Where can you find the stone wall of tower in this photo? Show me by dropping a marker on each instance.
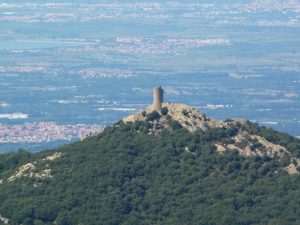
(158, 96)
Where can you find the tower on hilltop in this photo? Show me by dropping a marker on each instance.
(158, 96)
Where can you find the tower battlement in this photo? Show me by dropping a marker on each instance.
(158, 97)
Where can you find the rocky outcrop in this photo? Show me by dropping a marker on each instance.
(3, 219)
(31, 169)
(243, 142)
(292, 169)
(188, 117)
(54, 156)
(26, 170)
(252, 145)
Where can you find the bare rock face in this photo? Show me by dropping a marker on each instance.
(30, 169)
(252, 145)
(186, 116)
(292, 169)
(4, 220)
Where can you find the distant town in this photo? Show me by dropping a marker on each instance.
(80, 12)
(45, 132)
(69, 69)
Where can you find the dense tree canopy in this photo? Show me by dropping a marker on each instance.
(127, 176)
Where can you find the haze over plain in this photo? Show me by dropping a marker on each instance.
(68, 68)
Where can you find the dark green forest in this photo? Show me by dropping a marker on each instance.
(126, 176)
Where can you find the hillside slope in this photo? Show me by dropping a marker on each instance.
(177, 167)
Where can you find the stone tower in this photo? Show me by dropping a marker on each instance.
(158, 96)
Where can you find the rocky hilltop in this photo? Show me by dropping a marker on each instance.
(186, 116)
(243, 141)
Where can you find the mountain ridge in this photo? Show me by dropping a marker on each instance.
(245, 143)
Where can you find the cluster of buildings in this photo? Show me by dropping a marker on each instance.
(80, 12)
(46, 132)
(100, 72)
(21, 69)
(148, 45)
(271, 5)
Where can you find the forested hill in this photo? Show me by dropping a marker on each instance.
(174, 167)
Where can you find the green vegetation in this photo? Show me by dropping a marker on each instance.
(164, 111)
(126, 176)
(174, 124)
(153, 116)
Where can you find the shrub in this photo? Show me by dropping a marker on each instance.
(175, 125)
(164, 111)
(153, 116)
